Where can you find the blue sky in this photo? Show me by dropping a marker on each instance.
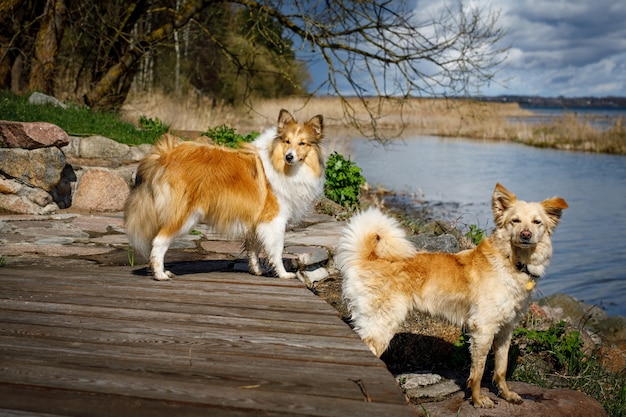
(568, 48)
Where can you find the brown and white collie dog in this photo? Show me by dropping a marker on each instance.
(486, 289)
(252, 192)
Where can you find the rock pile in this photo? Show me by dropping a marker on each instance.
(42, 169)
(31, 167)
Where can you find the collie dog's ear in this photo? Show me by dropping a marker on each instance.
(317, 124)
(554, 209)
(284, 118)
(501, 201)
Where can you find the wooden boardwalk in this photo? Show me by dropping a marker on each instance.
(103, 341)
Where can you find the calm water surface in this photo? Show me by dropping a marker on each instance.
(589, 259)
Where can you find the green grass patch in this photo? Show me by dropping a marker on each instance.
(553, 358)
(78, 120)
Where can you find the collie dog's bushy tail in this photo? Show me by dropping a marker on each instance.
(149, 198)
(371, 235)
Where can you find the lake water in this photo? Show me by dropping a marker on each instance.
(589, 260)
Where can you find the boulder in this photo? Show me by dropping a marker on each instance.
(37, 167)
(102, 147)
(436, 243)
(100, 190)
(31, 135)
(19, 198)
(566, 307)
(44, 99)
(538, 402)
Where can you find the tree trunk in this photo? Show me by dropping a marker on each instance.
(110, 91)
(7, 38)
(47, 47)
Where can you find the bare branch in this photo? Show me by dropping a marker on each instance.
(389, 49)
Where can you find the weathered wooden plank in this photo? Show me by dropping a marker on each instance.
(221, 341)
(275, 302)
(157, 302)
(228, 294)
(285, 376)
(60, 402)
(121, 315)
(76, 342)
(197, 390)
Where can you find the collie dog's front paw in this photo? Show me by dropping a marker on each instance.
(287, 275)
(163, 276)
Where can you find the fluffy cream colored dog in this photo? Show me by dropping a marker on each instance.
(486, 289)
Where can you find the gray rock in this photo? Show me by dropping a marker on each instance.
(101, 147)
(426, 386)
(308, 255)
(311, 276)
(16, 197)
(565, 307)
(137, 153)
(72, 150)
(38, 167)
(440, 243)
(42, 99)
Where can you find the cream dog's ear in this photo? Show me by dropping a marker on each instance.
(554, 209)
(501, 201)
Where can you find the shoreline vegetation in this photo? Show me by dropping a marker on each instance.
(473, 119)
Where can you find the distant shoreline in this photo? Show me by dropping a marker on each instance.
(564, 103)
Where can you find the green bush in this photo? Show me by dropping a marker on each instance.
(155, 125)
(343, 181)
(475, 234)
(228, 136)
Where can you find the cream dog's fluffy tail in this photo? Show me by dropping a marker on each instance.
(372, 235)
(369, 241)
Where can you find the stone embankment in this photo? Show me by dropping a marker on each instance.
(60, 203)
(42, 170)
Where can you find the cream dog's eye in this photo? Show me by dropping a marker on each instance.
(538, 222)
(516, 221)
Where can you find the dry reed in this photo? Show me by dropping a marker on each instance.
(415, 116)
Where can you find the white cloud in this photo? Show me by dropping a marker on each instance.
(569, 48)
(573, 48)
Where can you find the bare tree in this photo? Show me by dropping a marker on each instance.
(393, 50)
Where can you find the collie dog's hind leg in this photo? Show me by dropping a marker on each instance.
(252, 247)
(160, 245)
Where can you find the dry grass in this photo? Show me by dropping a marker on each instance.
(428, 116)
(577, 132)
(417, 116)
